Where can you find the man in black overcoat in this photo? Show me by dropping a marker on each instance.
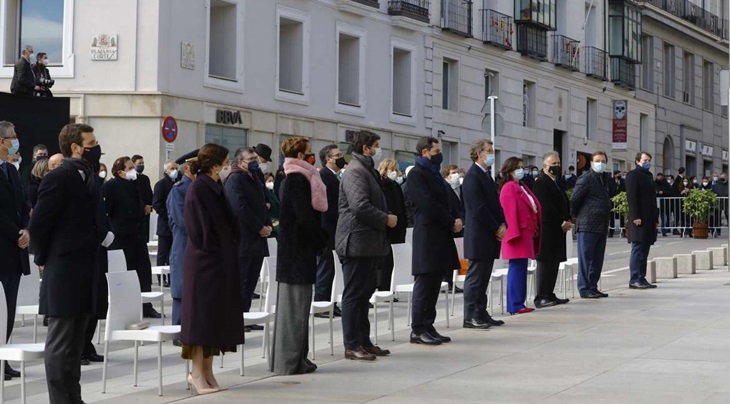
(23, 82)
(483, 232)
(159, 204)
(643, 218)
(66, 239)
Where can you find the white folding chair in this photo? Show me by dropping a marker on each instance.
(385, 296)
(124, 292)
(263, 279)
(161, 271)
(498, 275)
(266, 316)
(28, 298)
(153, 225)
(15, 352)
(457, 278)
(325, 307)
(116, 261)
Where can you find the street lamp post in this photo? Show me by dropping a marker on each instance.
(492, 128)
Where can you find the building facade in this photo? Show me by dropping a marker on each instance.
(242, 72)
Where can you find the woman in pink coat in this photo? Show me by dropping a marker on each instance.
(523, 215)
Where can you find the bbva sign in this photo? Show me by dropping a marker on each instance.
(228, 117)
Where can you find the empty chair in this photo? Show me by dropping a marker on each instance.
(325, 307)
(457, 277)
(117, 261)
(15, 352)
(265, 316)
(125, 311)
(28, 297)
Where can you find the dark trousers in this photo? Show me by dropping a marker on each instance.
(385, 271)
(89, 348)
(64, 343)
(176, 311)
(250, 270)
(475, 289)
(164, 245)
(359, 281)
(11, 283)
(637, 262)
(425, 296)
(138, 259)
(325, 276)
(546, 276)
(591, 251)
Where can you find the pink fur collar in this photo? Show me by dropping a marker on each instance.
(319, 190)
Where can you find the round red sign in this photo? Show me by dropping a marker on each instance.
(169, 129)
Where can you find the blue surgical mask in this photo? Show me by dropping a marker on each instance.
(490, 160)
(173, 175)
(15, 146)
(599, 167)
(519, 174)
(140, 169)
(253, 166)
(399, 180)
(646, 166)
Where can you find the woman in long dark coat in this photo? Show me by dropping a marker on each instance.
(301, 238)
(211, 314)
(390, 174)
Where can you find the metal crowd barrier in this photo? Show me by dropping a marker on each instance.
(673, 220)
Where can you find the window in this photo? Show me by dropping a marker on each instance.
(47, 25)
(669, 70)
(402, 79)
(350, 69)
(491, 84)
(230, 138)
(624, 27)
(708, 86)
(222, 41)
(292, 78)
(591, 117)
(647, 68)
(450, 85)
(688, 70)
(528, 104)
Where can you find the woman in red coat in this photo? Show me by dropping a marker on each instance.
(211, 308)
(523, 215)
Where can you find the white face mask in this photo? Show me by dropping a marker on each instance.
(378, 153)
(392, 175)
(399, 180)
(131, 175)
(454, 180)
(224, 172)
(461, 180)
(263, 167)
(270, 186)
(599, 166)
(102, 174)
(704, 184)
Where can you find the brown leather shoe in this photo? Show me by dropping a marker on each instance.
(377, 351)
(359, 354)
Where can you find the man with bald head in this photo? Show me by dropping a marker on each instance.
(55, 161)
(159, 203)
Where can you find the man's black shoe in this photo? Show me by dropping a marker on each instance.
(638, 285)
(85, 362)
(436, 334)
(542, 303)
(95, 357)
(338, 312)
(647, 284)
(458, 289)
(151, 313)
(590, 295)
(323, 315)
(477, 324)
(424, 339)
(10, 371)
(176, 342)
(558, 300)
(492, 321)
(600, 294)
(167, 283)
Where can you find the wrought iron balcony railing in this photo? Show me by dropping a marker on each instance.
(623, 73)
(497, 29)
(371, 3)
(595, 62)
(566, 52)
(415, 9)
(695, 15)
(456, 16)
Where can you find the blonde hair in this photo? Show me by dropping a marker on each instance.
(386, 166)
(40, 168)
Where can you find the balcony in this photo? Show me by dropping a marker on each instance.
(566, 52)
(623, 73)
(695, 15)
(595, 62)
(532, 41)
(456, 16)
(497, 29)
(371, 3)
(414, 9)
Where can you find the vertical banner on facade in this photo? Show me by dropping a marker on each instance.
(620, 125)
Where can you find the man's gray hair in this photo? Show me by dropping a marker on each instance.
(549, 154)
(5, 126)
(478, 147)
(168, 163)
(27, 48)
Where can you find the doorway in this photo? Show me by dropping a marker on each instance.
(558, 143)
(668, 156)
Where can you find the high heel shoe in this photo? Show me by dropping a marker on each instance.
(198, 389)
(522, 311)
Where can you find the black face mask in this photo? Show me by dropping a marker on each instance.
(340, 163)
(92, 155)
(555, 170)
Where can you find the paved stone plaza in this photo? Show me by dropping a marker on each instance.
(668, 345)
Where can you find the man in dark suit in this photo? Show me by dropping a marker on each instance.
(159, 203)
(555, 223)
(361, 242)
(591, 207)
(643, 218)
(483, 232)
(245, 193)
(23, 82)
(677, 187)
(145, 193)
(434, 250)
(66, 239)
(332, 162)
(14, 216)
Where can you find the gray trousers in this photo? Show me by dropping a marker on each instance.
(64, 344)
(291, 330)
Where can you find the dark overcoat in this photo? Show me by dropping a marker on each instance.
(329, 218)
(484, 215)
(641, 196)
(434, 250)
(590, 204)
(555, 211)
(247, 198)
(301, 236)
(159, 203)
(14, 216)
(396, 206)
(65, 233)
(211, 303)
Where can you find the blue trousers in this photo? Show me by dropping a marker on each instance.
(516, 285)
(176, 311)
(591, 251)
(637, 262)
